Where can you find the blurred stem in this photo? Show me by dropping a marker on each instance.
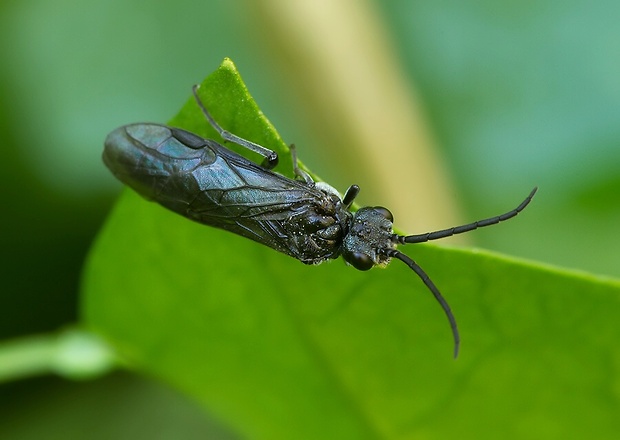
(339, 56)
(71, 353)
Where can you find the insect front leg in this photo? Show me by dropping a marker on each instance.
(349, 195)
(271, 157)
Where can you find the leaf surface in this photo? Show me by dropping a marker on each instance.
(278, 349)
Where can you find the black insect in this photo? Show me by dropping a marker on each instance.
(206, 182)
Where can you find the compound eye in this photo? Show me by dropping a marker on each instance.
(384, 212)
(360, 261)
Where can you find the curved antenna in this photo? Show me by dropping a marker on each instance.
(420, 238)
(431, 286)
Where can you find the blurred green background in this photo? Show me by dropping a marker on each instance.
(514, 94)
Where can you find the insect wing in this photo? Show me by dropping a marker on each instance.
(201, 180)
(152, 161)
(242, 197)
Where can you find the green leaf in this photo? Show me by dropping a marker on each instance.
(278, 349)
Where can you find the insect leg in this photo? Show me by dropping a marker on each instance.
(298, 171)
(271, 157)
(350, 195)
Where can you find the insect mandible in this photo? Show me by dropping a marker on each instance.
(208, 183)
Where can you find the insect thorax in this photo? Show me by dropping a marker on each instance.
(316, 230)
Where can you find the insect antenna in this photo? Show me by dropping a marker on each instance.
(431, 286)
(420, 238)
